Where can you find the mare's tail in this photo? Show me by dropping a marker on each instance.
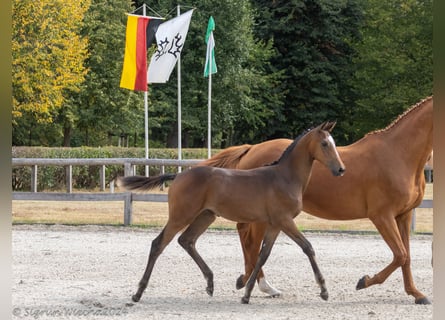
(227, 158)
(141, 183)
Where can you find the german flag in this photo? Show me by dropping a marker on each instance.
(134, 72)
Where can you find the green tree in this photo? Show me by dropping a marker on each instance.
(102, 108)
(48, 54)
(395, 62)
(241, 101)
(313, 42)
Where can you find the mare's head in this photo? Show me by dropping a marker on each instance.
(324, 150)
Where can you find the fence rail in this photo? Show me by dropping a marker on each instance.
(129, 165)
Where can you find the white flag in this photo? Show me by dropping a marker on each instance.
(170, 38)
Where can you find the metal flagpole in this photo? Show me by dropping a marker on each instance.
(179, 104)
(144, 13)
(209, 118)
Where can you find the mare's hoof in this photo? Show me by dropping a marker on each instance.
(324, 295)
(135, 298)
(362, 283)
(423, 300)
(240, 282)
(245, 300)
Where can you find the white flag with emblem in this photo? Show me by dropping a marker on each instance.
(170, 38)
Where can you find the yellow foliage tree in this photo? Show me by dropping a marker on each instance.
(47, 54)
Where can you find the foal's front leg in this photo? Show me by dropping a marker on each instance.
(268, 242)
(291, 230)
(251, 235)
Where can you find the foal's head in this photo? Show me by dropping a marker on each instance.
(323, 148)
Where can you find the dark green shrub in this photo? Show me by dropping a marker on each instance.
(86, 177)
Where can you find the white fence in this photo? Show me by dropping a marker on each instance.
(129, 165)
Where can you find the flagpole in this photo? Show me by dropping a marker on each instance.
(209, 118)
(208, 70)
(179, 104)
(144, 13)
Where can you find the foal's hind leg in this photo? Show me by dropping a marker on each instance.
(188, 239)
(157, 246)
(291, 230)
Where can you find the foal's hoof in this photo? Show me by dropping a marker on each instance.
(362, 283)
(324, 295)
(240, 282)
(423, 300)
(209, 291)
(245, 300)
(136, 298)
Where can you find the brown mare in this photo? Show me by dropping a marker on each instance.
(385, 181)
(270, 195)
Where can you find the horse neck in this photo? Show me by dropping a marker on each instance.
(297, 166)
(411, 137)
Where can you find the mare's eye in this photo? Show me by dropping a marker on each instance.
(324, 144)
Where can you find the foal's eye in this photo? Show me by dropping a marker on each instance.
(324, 144)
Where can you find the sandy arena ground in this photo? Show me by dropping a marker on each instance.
(90, 272)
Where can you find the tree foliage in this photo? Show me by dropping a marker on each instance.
(395, 61)
(283, 66)
(48, 53)
(102, 108)
(313, 44)
(241, 101)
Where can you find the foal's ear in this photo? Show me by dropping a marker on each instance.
(328, 125)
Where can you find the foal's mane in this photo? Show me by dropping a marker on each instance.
(401, 116)
(290, 147)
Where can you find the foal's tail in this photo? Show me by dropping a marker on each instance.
(141, 183)
(227, 158)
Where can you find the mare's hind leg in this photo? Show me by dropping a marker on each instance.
(188, 239)
(291, 230)
(157, 246)
(268, 242)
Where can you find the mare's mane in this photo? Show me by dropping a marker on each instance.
(401, 116)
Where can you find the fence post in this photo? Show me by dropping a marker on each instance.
(128, 169)
(413, 221)
(102, 177)
(163, 172)
(34, 178)
(69, 178)
(128, 209)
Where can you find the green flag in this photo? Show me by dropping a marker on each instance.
(210, 65)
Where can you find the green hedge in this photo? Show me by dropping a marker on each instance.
(52, 178)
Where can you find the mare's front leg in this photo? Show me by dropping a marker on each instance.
(404, 225)
(392, 232)
(188, 239)
(268, 242)
(291, 230)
